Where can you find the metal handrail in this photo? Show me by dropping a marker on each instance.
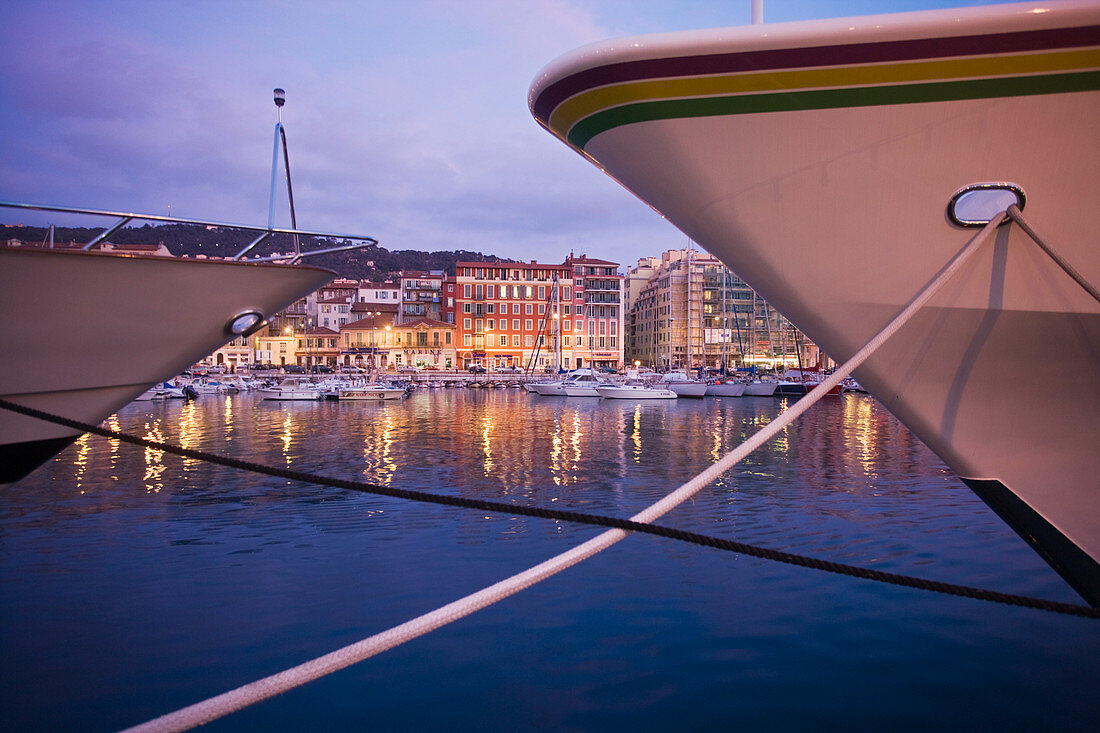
(126, 217)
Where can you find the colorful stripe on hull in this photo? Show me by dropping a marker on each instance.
(582, 105)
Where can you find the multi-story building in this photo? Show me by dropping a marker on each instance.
(384, 293)
(271, 346)
(378, 342)
(424, 343)
(317, 345)
(333, 312)
(505, 314)
(234, 355)
(593, 321)
(366, 342)
(421, 294)
(688, 310)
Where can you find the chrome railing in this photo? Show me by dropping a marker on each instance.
(125, 218)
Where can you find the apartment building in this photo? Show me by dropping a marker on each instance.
(509, 314)
(688, 310)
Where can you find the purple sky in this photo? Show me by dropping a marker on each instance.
(407, 121)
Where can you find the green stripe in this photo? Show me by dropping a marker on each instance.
(608, 119)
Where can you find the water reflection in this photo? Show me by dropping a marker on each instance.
(154, 464)
(592, 455)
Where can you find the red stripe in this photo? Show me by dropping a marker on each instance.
(794, 58)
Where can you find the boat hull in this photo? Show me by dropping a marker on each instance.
(843, 141)
(640, 393)
(578, 390)
(370, 395)
(687, 389)
(129, 322)
(760, 389)
(728, 389)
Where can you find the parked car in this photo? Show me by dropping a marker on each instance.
(476, 369)
(294, 369)
(351, 370)
(508, 370)
(321, 369)
(407, 369)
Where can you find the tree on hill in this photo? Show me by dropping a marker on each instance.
(370, 263)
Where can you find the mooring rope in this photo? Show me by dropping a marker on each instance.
(565, 515)
(262, 689)
(241, 697)
(1013, 212)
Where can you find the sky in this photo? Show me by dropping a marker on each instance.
(406, 120)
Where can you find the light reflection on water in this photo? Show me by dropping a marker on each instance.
(136, 581)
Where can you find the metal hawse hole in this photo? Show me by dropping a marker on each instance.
(976, 205)
(244, 323)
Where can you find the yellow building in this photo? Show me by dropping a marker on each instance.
(274, 347)
(375, 342)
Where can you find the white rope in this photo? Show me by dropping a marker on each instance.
(228, 702)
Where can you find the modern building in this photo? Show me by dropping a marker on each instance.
(688, 310)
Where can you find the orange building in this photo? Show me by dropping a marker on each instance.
(509, 314)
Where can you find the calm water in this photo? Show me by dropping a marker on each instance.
(133, 583)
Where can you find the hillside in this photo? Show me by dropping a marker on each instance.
(370, 263)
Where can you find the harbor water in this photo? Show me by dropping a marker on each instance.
(133, 582)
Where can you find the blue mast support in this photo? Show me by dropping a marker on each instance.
(274, 171)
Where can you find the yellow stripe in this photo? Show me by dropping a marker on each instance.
(575, 108)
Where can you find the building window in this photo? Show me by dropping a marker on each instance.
(466, 290)
(503, 340)
(467, 323)
(467, 339)
(528, 309)
(515, 324)
(528, 324)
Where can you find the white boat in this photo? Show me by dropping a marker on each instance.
(635, 390)
(370, 393)
(583, 385)
(208, 387)
(577, 377)
(292, 388)
(683, 385)
(792, 150)
(727, 388)
(123, 315)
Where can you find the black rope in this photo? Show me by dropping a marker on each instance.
(576, 517)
